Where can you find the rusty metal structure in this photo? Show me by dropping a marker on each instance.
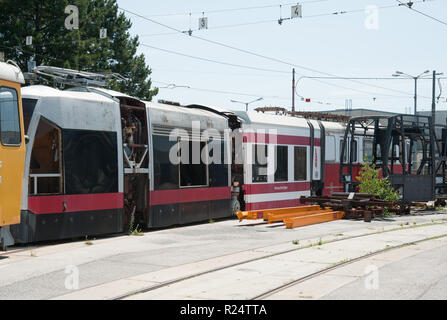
(318, 209)
(293, 217)
(355, 205)
(276, 110)
(407, 149)
(321, 116)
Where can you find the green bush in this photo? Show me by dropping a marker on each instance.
(371, 183)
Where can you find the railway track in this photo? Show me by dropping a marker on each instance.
(18, 250)
(271, 292)
(295, 281)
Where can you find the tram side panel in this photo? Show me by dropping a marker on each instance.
(187, 183)
(12, 149)
(73, 182)
(294, 166)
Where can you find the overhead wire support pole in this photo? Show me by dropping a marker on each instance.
(293, 90)
(415, 94)
(246, 103)
(433, 103)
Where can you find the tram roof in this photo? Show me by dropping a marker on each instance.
(159, 106)
(183, 109)
(41, 91)
(259, 118)
(11, 72)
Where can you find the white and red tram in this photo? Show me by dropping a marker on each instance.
(296, 144)
(307, 159)
(97, 158)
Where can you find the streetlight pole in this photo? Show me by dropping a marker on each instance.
(400, 73)
(415, 95)
(293, 91)
(433, 102)
(246, 103)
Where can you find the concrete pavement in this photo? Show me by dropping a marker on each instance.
(40, 273)
(414, 272)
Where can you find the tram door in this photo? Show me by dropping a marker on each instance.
(136, 162)
(12, 150)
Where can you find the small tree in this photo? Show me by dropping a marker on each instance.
(370, 182)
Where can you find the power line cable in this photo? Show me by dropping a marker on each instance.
(232, 9)
(287, 72)
(220, 91)
(252, 68)
(212, 60)
(341, 12)
(256, 54)
(409, 5)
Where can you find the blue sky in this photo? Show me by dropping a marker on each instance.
(339, 45)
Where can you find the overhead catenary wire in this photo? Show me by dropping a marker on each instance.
(287, 72)
(233, 9)
(254, 53)
(257, 69)
(284, 72)
(221, 91)
(213, 60)
(410, 6)
(338, 13)
(238, 93)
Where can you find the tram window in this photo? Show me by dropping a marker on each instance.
(300, 165)
(407, 151)
(28, 110)
(260, 163)
(165, 173)
(218, 172)
(379, 151)
(46, 162)
(330, 148)
(90, 161)
(345, 155)
(354, 150)
(192, 174)
(281, 172)
(368, 149)
(9, 117)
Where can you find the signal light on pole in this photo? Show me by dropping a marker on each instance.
(307, 99)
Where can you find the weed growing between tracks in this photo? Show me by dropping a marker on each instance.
(137, 232)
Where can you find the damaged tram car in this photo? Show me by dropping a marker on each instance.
(98, 160)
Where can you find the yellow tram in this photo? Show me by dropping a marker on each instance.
(12, 149)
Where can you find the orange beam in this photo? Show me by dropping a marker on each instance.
(263, 214)
(280, 217)
(313, 219)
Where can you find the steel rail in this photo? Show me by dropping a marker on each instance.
(337, 266)
(195, 275)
